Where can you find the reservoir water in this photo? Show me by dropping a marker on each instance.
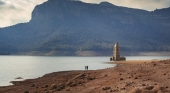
(27, 67)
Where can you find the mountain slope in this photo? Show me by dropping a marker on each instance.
(67, 25)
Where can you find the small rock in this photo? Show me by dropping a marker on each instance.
(47, 92)
(154, 64)
(82, 75)
(60, 87)
(148, 91)
(67, 89)
(157, 88)
(46, 86)
(53, 86)
(140, 75)
(80, 82)
(73, 84)
(143, 84)
(123, 88)
(135, 90)
(121, 78)
(26, 92)
(127, 83)
(90, 78)
(149, 87)
(69, 83)
(111, 90)
(33, 85)
(19, 78)
(105, 88)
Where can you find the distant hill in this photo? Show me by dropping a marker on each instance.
(72, 26)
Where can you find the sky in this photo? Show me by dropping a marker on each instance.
(19, 11)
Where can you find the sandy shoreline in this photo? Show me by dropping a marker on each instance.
(133, 76)
(133, 61)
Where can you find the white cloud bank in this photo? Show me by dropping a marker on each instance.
(149, 5)
(17, 11)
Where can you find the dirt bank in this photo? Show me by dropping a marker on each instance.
(144, 77)
(133, 62)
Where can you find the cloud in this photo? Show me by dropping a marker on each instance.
(18, 11)
(15, 11)
(1, 3)
(149, 5)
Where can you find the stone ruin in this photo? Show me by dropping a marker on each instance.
(116, 54)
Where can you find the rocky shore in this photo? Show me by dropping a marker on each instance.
(136, 77)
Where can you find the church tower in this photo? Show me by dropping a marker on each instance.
(116, 52)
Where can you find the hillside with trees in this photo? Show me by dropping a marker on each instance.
(68, 25)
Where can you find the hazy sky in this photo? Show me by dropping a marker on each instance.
(17, 11)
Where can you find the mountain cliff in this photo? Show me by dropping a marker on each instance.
(68, 25)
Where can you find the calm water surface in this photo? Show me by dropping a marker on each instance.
(27, 67)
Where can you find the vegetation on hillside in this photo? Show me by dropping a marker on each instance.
(67, 25)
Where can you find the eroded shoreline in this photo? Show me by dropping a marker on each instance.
(153, 76)
(133, 62)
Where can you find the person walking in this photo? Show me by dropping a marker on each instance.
(85, 67)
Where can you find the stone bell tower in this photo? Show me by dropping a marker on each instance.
(116, 53)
